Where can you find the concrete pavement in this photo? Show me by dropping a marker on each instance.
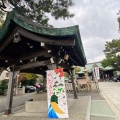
(111, 92)
(82, 108)
(17, 100)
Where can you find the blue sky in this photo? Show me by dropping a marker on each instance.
(97, 20)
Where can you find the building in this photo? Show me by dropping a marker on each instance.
(4, 75)
(104, 72)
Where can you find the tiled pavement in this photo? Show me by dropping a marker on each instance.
(111, 92)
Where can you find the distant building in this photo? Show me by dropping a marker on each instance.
(104, 71)
(4, 75)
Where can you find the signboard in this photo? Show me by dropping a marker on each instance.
(56, 93)
(96, 72)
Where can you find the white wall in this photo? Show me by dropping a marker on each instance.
(4, 75)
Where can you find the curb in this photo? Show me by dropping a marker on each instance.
(112, 106)
(88, 110)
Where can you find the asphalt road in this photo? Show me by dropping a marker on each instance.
(17, 101)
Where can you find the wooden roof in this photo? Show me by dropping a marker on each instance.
(25, 43)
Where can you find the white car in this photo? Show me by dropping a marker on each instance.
(29, 89)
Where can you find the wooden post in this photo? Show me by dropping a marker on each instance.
(8, 108)
(44, 80)
(73, 85)
(56, 62)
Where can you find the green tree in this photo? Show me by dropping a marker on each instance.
(119, 22)
(111, 50)
(31, 76)
(1, 17)
(3, 87)
(66, 75)
(119, 19)
(77, 69)
(27, 78)
(40, 10)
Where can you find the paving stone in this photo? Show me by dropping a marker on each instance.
(100, 107)
(92, 117)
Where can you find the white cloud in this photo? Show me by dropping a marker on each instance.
(97, 21)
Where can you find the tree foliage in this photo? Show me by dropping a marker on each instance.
(66, 75)
(76, 69)
(119, 22)
(3, 87)
(27, 76)
(28, 82)
(1, 17)
(40, 10)
(111, 50)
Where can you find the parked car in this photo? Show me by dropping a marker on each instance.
(116, 78)
(39, 87)
(29, 89)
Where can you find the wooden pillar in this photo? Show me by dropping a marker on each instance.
(103, 75)
(56, 62)
(73, 85)
(44, 80)
(8, 108)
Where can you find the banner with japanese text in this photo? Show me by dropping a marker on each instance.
(97, 74)
(56, 93)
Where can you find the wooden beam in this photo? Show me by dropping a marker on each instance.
(33, 71)
(7, 41)
(59, 42)
(33, 64)
(36, 54)
(64, 66)
(47, 47)
(3, 57)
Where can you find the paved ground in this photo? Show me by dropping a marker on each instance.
(111, 92)
(17, 101)
(77, 111)
(100, 110)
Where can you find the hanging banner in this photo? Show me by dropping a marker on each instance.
(97, 74)
(56, 93)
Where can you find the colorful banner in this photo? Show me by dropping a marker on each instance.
(56, 93)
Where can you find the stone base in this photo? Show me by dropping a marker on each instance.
(40, 97)
(36, 106)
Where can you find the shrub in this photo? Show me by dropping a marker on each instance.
(3, 87)
(28, 82)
